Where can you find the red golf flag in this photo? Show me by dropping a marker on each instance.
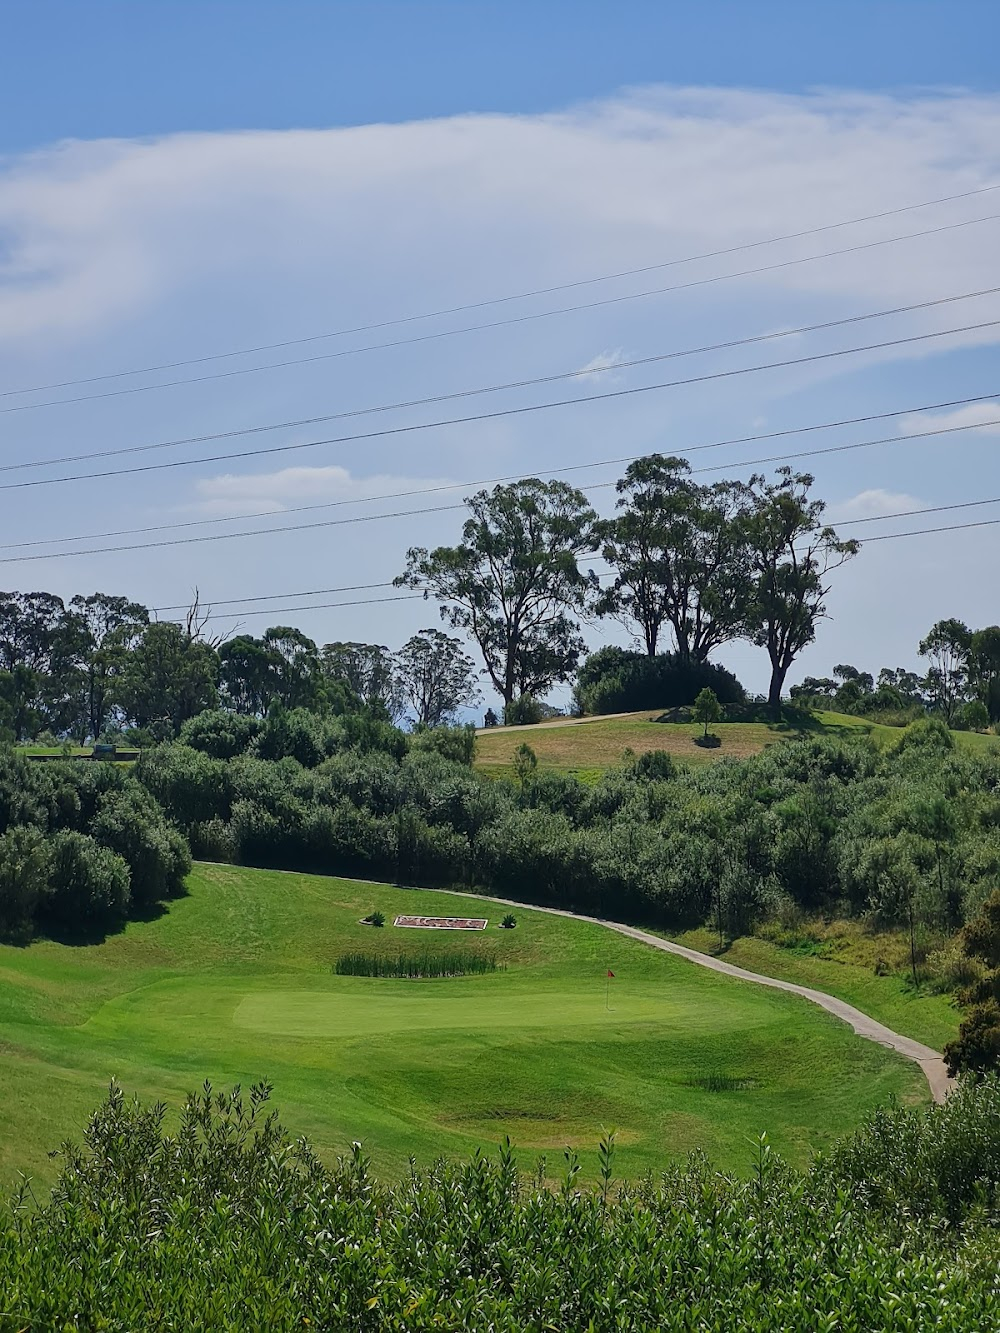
(610, 973)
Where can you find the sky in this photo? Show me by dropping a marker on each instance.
(182, 182)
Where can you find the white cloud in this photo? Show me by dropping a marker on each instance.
(96, 232)
(874, 504)
(597, 367)
(239, 494)
(982, 417)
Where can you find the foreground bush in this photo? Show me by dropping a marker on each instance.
(228, 1224)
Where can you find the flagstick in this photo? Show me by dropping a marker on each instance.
(607, 990)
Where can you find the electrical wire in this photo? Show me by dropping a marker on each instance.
(502, 323)
(439, 509)
(516, 476)
(881, 537)
(389, 431)
(534, 382)
(503, 300)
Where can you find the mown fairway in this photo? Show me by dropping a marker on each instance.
(234, 983)
(590, 746)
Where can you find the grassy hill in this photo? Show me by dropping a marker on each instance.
(587, 746)
(235, 983)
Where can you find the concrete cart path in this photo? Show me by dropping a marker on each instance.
(930, 1061)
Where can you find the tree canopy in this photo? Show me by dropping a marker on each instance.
(514, 583)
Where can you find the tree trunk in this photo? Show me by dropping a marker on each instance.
(778, 674)
(913, 947)
(718, 902)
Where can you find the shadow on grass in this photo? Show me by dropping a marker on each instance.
(80, 934)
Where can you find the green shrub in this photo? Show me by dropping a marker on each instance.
(524, 711)
(298, 734)
(213, 841)
(220, 734)
(455, 743)
(894, 1230)
(132, 825)
(458, 963)
(24, 882)
(617, 680)
(88, 885)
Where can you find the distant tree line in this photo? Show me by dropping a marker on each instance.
(907, 837)
(692, 567)
(961, 685)
(102, 666)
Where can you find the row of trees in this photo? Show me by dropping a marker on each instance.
(961, 685)
(706, 563)
(102, 663)
(907, 837)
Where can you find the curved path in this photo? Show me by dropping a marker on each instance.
(930, 1061)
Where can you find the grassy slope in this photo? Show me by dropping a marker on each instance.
(593, 745)
(932, 1019)
(75, 751)
(234, 982)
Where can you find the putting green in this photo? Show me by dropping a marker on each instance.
(465, 1005)
(235, 983)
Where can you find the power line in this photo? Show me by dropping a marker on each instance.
(275, 596)
(502, 300)
(212, 603)
(924, 532)
(517, 476)
(514, 476)
(390, 431)
(282, 610)
(911, 513)
(502, 323)
(439, 509)
(325, 606)
(534, 382)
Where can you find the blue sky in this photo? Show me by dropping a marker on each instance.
(179, 180)
(149, 67)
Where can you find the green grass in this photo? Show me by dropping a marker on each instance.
(589, 747)
(920, 1014)
(234, 983)
(74, 751)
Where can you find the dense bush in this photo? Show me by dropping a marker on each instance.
(228, 1223)
(832, 826)
(88, 885)
(457, 963)
(83, 843)
(615, 680)
(457, 743)
(220, 734)
(524, 711)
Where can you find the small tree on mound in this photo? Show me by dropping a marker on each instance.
(525, 762)
(707, 709)
(509, 922)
